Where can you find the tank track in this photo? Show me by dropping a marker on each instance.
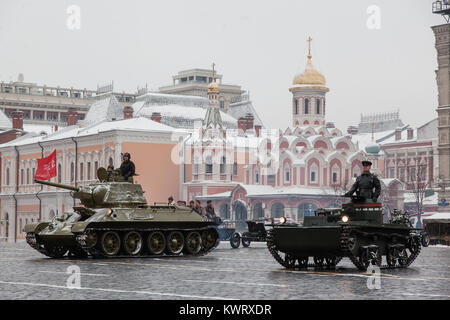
(95, 252)
(291, 262)
(345, 235)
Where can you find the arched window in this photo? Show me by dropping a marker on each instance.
(258, 211)
(335, 177)
(208, 165)
(306, 106)
(59, 173)
(313, 178)
(224, 211)
(88, 168)
(277, 210)
(81, 171)
(306, 210)
(287, 173)
(223, 163)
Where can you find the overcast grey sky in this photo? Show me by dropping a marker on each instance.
(260, 45)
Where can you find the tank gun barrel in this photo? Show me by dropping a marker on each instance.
(58, 185)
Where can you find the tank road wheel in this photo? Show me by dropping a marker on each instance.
(156, 243)
(303, 262)
(364, 259)
(331, 262)
(402, 257)
(209, 239)
(110, 243)
(319, 262)
(193, 243)
(55, 251)
(132, 243)
(391, 257)
(425, 239)
(289, 261)
(235, 240)
(175, 243)
(91, 238)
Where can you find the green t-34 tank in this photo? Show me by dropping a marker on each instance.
(355, 231)
(115, 220)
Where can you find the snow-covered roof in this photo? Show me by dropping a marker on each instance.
(266, 190)
(132, 124)
(440, 217)
(180, 116)
(5, 122)
(431, 200)
(240, 109)
(156, 98)
(107, 108)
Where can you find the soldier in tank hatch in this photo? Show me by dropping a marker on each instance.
(127, 168)
(366, 183)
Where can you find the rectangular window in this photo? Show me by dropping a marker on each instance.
(287, 175)
(96, 168)
(28, 176)
(34, 172)
(412, 174)
(317, 106)
(313, 176)
(21, 176)
(402, 174)
(235, 169)
(271, 178)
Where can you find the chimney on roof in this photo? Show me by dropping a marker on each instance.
(249, 121)
(258, 130)
(398, 134)
(72, 116)
(410, 133)
(128, 112)
(156, 116)
(17, 117)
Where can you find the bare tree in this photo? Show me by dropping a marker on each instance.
(339, 190)
(419, 186)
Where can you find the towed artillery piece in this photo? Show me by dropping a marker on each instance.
(116, 221)
(355, 231)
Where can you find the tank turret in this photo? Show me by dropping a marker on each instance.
(111, 191)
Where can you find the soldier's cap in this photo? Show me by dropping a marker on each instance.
(366, 163)
(170, 198)
(209, 201)
(126, 154)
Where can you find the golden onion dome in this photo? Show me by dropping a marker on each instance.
(310, 75)
(213, 88)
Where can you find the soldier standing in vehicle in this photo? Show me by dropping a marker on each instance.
(366, 183)
(127, 168)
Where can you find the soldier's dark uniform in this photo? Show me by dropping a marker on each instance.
(365, 185)
(127, 168)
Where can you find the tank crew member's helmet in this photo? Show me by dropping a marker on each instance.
(366, 163)
(126, 154)
(170, 198)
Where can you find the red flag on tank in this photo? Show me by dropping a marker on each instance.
(46, 167)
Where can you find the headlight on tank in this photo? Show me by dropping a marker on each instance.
(344, 219)
(282, 220)
(109, 211)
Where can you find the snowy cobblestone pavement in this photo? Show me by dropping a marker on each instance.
(225, 273)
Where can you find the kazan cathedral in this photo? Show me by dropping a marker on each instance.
(305, 167)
